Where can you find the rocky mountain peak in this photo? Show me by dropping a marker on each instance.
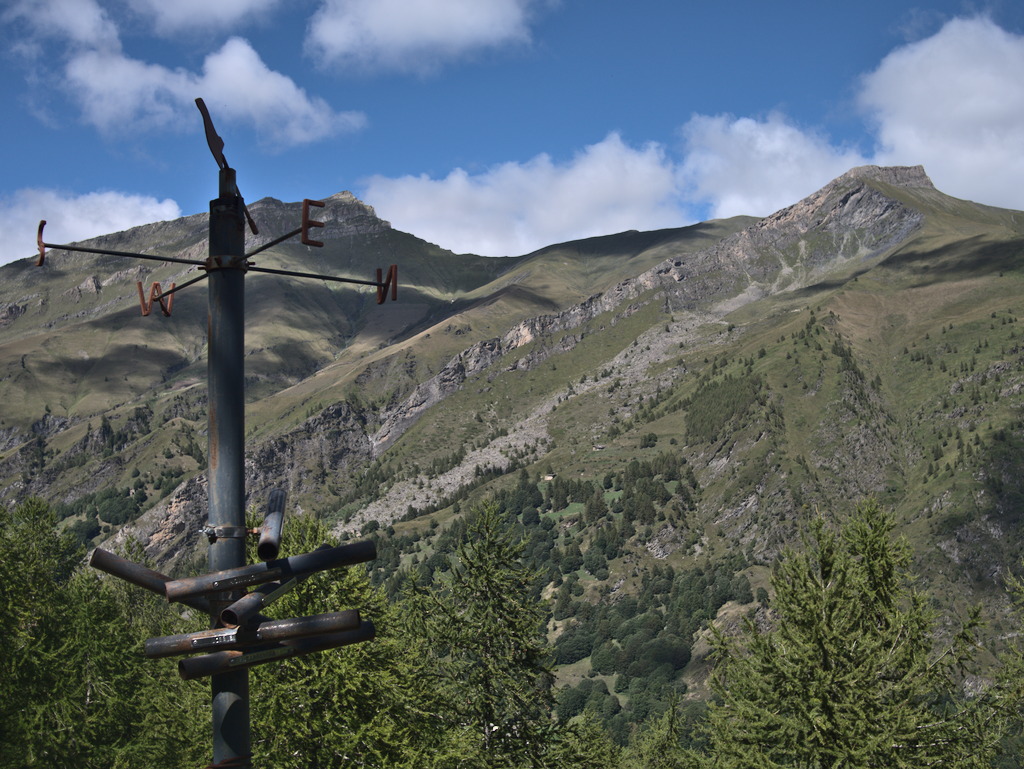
(343, 215)
(847, 204)
(345, 207)
(849, 218)
(897, 176)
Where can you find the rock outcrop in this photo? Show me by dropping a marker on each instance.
(850, 219)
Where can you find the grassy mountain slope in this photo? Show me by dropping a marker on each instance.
(893, 370)
(679, 400)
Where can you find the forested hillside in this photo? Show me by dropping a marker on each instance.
(836, 664)
(678, 437)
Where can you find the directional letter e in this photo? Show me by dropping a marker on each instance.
(307, 222)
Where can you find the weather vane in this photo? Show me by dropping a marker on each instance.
(239, 636)
(385, 283)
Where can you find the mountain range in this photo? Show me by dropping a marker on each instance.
(863, 342)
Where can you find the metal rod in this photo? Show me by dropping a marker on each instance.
(142, 576)
(249, 605)
(108, 252)
(226, 378)
(214, 664)
(270, 538)
(266, 632)
(273, 243)
(268, 571)
(186, 284)
(293, 274)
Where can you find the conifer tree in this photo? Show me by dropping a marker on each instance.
(582, 744)
(486, 647)
(359, 705)
(849, 676)
(658, 745)
(77, 691)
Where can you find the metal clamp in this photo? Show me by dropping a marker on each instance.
(213, 533)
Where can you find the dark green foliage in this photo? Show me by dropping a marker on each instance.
(524, 496)
(605, 658)
(573, 645)
(77, 691)
(572, 559)
(595, 561)
(716, 403)
(645, 641)
(107, 441)
(583, 744)
(570, 702)
(484, 643)
(363, 700)
(848, 676)
(661, 743)
(113, 506)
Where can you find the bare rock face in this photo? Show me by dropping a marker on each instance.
(848, 219)
(299, 462)
(397, 420)
(171, 530)
(897, 176)
(10, 312)
(90, 285)
(343, 215)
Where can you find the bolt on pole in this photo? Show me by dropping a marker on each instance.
(226, 379)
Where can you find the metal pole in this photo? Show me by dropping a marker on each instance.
(226, 377)
(266, 571)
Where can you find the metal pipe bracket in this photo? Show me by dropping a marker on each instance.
(213, 533)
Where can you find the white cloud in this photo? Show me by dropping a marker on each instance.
(176, 16)
(413, 35)
(755, 167)
(82, 22)
(731, 166)
(238, 81)
(954, 102)
(115, 91)
(71, 218)
(516, 208)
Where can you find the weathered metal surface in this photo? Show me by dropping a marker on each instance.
(225, 269)
(389, 283)
(268, 571)
(270, 539)
(139, 575)
(218, 662)
(226, 477)
(249, 605)
(265, 632)
(307, 223)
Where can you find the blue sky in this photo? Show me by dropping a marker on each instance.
(497, 126)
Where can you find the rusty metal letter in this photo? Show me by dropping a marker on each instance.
(383, 284)
(156, 294)
(307, 222)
